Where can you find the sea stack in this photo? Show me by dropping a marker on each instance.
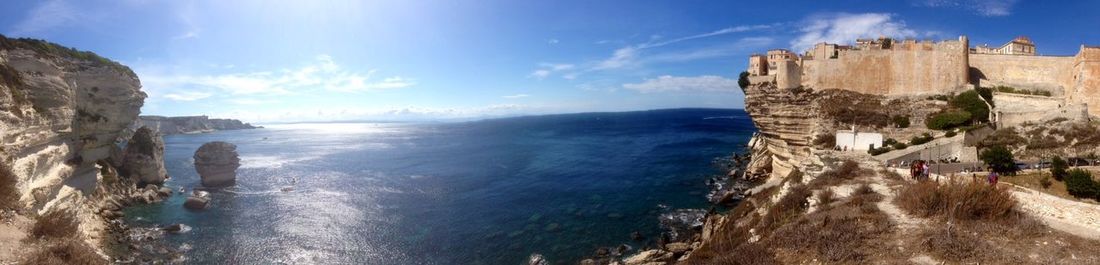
(143, 159)
(217, 164)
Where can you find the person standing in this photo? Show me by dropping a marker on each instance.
(993, 177)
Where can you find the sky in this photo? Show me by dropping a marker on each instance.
(283, 61)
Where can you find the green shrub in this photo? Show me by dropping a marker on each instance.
(972, 102)
(948, 119)
(64, 252)
(1000, 159)
(1058, 168)
(743, 80)
(922, 139)
(879, 151)
(825, 141)
(889, 141)
(901, 121)
(950, 134)
(986, 94)
(1079, 183)
(900, 146)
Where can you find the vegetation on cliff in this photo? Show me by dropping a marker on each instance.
(46, 48)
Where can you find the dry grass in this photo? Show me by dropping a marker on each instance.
(960, 201)
(64, 252)
(825, 197)
(54, 225)
(786, 209)
(847, 170)
(9, 196)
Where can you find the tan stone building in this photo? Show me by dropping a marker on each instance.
(777, 56)
(1021, 45)
(758, 65)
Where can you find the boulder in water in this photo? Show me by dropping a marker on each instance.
(196, 203)
(217, 164)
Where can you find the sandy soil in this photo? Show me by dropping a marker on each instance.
(12, 233)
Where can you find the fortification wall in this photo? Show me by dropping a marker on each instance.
(1049, 73)
(919, 69)
(1086, 76)
(1015, 109)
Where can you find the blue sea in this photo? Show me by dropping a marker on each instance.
(480, 192)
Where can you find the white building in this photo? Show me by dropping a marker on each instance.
(853, 140)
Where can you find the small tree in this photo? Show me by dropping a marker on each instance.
(1079, 183)
(1058, 168)
(972, 102)
(947, 120)
(743, 80)
(1000, 159)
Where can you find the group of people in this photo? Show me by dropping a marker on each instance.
(918, 169)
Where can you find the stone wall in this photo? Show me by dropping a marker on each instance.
(908, 69)
(1086, 78)
(1015, 109)
(1049, 73)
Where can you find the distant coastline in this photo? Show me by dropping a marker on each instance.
(188, 124)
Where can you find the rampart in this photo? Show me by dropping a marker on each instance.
(1048, 73)
(1086, 79)
(908, 68)
(1015, 109)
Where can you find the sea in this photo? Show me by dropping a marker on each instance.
(477, 192)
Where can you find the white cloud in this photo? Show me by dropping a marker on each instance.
(546, 69)
(622, 57)
(740, 46)
(552, 41)
(989, 8)
(323, 73)
(630, 56)
(187, 96)
(845, 28)
(251, 101)
(666, 83)
(47, 15)
(516, 96)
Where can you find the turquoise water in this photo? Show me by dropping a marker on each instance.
(482, 192)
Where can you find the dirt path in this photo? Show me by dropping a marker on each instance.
(1073, 217)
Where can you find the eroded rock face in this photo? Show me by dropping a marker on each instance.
(217, 163)
(143, 159)
(59, 105)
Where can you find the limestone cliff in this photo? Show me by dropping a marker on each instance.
(188, 124)
(61, 114)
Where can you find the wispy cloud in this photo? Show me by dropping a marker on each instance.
(516, 96)
(546, 69)
(187, 96)
(666, 83)
(47, 15)
(989, 8)
(552, 41)
(629, 56)
(323, 73)
(844, 28)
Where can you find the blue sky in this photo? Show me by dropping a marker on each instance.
(264, 61)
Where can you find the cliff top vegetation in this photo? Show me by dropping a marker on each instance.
(57, 50)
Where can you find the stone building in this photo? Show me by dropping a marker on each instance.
(1021, 45)
(777, 56)
(758, 65)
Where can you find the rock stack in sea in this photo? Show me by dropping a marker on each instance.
(217, 163)
(143, 159)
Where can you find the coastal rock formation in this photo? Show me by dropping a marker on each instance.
(61, 111)
(188, 124)
(143, 159)
(217, 163)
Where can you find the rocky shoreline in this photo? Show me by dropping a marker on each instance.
(682, 230)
